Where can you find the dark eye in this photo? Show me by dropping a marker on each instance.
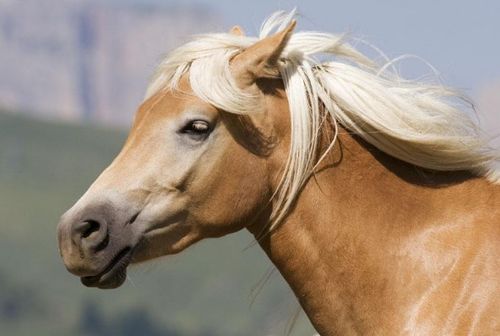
(197, 129)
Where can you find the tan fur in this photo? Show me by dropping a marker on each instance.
(375, 251)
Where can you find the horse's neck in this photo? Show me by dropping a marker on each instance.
(333, 248)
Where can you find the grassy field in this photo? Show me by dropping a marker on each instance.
(207, 290)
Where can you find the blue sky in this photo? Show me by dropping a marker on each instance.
(460, 38)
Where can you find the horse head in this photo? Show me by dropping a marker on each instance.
(187, 171)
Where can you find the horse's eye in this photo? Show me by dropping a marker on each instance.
(197, 129)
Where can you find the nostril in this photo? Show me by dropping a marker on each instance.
(91, 234)
(88, 227)
(133, 218)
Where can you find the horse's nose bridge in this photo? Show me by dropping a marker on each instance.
(118, 177)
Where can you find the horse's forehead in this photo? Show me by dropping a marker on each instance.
(168, 103)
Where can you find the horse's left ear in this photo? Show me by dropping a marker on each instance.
(260, 60)
(237, 30)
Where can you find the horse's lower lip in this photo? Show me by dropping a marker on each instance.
(114, 273)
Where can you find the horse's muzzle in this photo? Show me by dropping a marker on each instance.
(96, 243)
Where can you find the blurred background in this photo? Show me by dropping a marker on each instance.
(72, 73)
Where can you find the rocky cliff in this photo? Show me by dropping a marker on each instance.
(85, 60)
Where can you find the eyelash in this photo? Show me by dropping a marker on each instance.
(197, 129)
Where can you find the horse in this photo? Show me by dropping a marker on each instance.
(376, 197)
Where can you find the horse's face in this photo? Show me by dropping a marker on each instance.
(187, 171)
(182, 175)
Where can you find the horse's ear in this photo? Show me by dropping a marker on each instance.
(260, 60)
(237, 30)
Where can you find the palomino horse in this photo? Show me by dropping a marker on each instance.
(377, 198)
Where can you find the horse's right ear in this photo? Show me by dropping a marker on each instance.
(260, 60)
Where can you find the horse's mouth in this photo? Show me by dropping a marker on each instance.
(114, 274)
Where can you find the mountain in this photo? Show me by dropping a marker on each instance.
(88, 60)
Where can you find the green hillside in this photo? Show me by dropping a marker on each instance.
(207, 290)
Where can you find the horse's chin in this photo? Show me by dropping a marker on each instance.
(162, 241)
(114, 274)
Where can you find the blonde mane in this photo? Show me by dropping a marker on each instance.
(423, 124)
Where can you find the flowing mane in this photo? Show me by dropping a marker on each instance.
(424, 124)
